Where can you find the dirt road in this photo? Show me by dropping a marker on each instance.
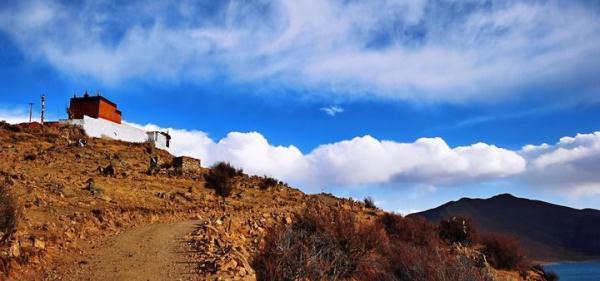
(153, 252)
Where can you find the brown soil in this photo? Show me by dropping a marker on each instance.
(154, 252)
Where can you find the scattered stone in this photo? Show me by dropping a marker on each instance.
(15, 250)
(39, 244)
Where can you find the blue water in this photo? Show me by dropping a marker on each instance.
(576, 271)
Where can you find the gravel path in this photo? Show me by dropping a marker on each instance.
(153, 252)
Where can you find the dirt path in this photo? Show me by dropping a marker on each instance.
(153, 252)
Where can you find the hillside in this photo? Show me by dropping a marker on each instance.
(546, 231)
(78, 208)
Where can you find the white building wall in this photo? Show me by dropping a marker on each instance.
(159, 140)
(99, 128)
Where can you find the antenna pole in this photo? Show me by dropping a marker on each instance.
(43, 108)
(30, 112)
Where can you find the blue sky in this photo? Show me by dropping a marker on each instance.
(412, 102)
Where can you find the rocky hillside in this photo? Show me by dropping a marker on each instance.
(548, 232)
(64, 195)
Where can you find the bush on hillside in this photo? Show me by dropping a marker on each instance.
(502, 251)
(9, 127)
(327, 243)
(268, 182)
(323, 244)
(369, 202)
(220, 178)
(457, 230)
(8, 216)
(413, 230)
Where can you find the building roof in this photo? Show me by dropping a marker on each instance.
(97, 97)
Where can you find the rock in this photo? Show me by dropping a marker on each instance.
(15, 250)
(241, 272)
(70, 235)
(232, 264)
(219, 222)
(288, 220)
(39, 244)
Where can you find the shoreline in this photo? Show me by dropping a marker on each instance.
(594, 260)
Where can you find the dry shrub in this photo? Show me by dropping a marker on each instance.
(268, 182)
(8, 225)
(414, 263)
(8, 216)
(220, 178)
(502, 251)
(324, 244)
(369, 202)
(413, 230)
(332, 244)
(9, 127)
(458, 229)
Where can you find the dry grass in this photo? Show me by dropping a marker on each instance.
(9, 218)
(503, 252)
(324, 244)
(330, 244)
(458, 229)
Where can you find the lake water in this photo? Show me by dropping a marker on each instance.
(576, 271)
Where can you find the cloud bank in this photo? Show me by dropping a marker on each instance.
(570, 166)
(572, 163)
(423, 50)
(358, 162)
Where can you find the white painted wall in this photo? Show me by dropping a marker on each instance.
(159, 140)
(99, 128)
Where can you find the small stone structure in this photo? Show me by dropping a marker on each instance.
(160, 139)
(184, 164)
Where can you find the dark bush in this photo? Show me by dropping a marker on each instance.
(8, 215)
(9, 127)
(502, 251)
(268, 182)
(324, 244)
(30, 156)
(413, 230)
(369, 202)
(330, 244)
(458, 230)
(220, 178)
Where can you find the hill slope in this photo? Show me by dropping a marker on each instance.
(73, 206)
(546, 231)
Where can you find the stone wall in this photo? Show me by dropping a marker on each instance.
(186, 164)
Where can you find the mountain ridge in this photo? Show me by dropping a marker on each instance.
(547, 231)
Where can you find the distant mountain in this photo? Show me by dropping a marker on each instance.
(546, 231)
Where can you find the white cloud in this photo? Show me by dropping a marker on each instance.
(332, 110)
(422, 50)
(357, 162)
(571, 165)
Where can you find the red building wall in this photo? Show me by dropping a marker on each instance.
(96, 107)
(109, 112)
